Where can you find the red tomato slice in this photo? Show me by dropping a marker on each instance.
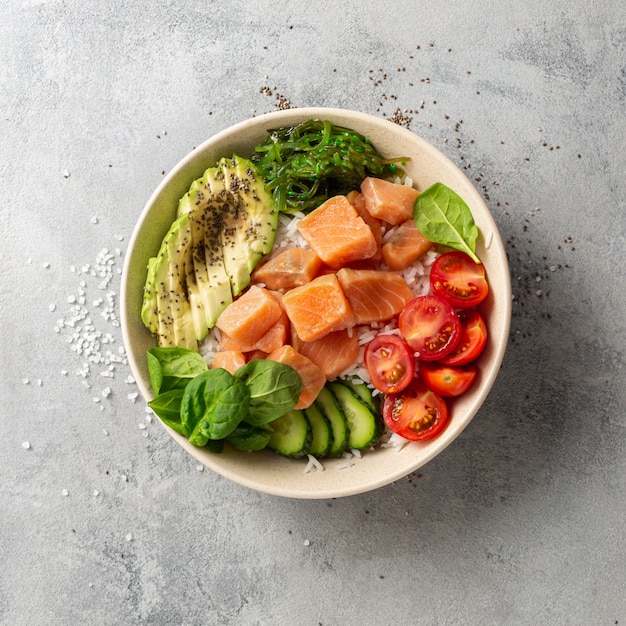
(448, 381)
(460, 280)
(430, 326)
(417, 413)
(389, 362)
(472, 342)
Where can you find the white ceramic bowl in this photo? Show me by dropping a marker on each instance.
(265, 471)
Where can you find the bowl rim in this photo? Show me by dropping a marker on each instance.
(290, 117)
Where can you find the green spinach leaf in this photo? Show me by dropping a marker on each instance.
(443, 217)
(172, 368)
(249, 437)
(274, 389)
(167, 407)
(214, 445)
(213, 405)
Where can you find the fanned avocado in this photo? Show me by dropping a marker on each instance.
(229, 222)
(166, 308)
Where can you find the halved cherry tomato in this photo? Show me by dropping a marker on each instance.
(447, 381)
(472, 342)
(417, 413)
(389, 362)
(430, 326)
(460, 280)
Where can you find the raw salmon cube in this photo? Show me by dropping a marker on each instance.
(274, 337)
(334, 353)
(290, 268)
(374, 295)
(228, 344)
(390, 202)
(256, 355)
(357, 200)
(405, 245)
(318, 308)
(250, 316)
(312, 377)
(230, 360)
(337, 233)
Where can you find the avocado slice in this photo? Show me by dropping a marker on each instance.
(195, 302)
(166, 308)
(211, 280)
(225, 223)
(250, 227)
(149, 307)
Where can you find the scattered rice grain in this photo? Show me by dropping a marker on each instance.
(488, 239)
(312, 464)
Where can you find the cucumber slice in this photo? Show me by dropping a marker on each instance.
(365, 426)
(292, 435)
(322, 433)
(362, 392)
(327, 404)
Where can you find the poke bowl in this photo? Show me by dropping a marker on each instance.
(419, 165)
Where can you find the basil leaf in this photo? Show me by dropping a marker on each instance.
(249, 437)
(442, 216)
(213, 405)
(274, 389)
(167, 407)
(172, 368)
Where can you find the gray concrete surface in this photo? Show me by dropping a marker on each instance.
(104, 520)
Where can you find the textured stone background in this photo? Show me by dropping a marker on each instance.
(104, 520)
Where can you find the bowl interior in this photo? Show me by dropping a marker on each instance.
(266, 471)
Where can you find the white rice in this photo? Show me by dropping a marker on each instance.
(393, 440)
(348, 459)
(313, 464)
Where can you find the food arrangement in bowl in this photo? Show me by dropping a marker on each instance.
(315, 303)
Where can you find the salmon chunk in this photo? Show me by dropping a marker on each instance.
(230, 360)
(318, 308)
(390, 202)
(274, 337)
(290, 268)
(250, 316)
(357, 200)
(405, 245)
(334, 353)
(311, 376)
(374, 295)
(337, 233)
